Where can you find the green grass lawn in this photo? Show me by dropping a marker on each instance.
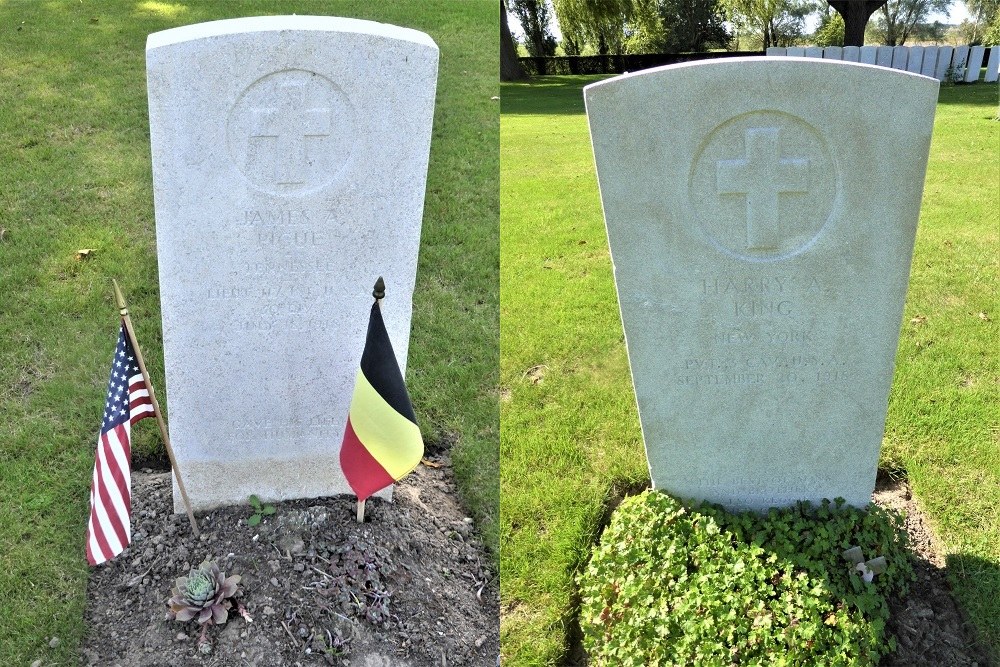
(75, 173)
(570, 437)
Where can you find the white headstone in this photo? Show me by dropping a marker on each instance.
(899, 57)
(883, 56)
(993, 65)
(915, 59)
(834, 53)
(945, 54)
(852, 54)
(796, 51)
(775, 51)
(975, 65)
(960, 59)
(929, 61)
(289, 165)
(814, 52)
(867, 54)
(761, 251)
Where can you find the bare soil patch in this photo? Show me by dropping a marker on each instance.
(410, 587)
(929, 627)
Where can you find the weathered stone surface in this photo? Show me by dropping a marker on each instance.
(993, 65)
(761, 247)
(900, 56)
(915, 59)
(883, 56)
(975, 64)
(289, 163)
(929, 61)
(944, 57)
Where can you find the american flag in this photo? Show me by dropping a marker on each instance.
(110, 527)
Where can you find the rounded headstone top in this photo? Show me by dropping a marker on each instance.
(282, 23)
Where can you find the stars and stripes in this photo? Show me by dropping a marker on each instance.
(382, 442)
(109, 529)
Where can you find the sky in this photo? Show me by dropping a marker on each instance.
(956, 14)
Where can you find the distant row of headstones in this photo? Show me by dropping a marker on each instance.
(964, 62)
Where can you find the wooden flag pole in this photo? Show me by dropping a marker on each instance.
(123, 310)
(379, 294)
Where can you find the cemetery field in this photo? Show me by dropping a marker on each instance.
(570, 437)
(75, 176)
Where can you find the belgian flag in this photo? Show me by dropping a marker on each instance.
(382, 442)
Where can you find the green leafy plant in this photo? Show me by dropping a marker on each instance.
(955, 73)
(205, 595)
(260, 510)
(676, 585)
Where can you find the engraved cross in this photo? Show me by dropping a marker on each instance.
(289, 124)
(762, 175)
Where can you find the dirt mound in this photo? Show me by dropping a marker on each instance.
(410, 587)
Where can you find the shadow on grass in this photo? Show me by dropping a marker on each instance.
(978, 94)
(981, 574)
(547, 95)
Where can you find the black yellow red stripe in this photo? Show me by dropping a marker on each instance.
(382, 441)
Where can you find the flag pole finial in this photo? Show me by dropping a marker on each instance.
(379, 291)
(119, 299)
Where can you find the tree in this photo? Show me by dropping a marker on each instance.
(897, 18)
(534, 18)
(677, 26)
(599, 23)
(830, 31)
(770, 22)
(929, 32)
(855, 14)
(510, 66)
(985, 15)
(992, 35)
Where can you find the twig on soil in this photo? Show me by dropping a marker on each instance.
(137, 578)
(294, 640)
(325, 574)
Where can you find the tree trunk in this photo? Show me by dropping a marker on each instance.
(510, 66)
(856, 14)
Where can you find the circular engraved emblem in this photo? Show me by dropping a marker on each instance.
(291, 132)
(763, 185)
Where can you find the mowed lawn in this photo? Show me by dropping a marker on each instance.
(570, 437)
(75, 174)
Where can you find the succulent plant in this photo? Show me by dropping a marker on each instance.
(203, 595)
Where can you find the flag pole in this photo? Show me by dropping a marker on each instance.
(379, 293)
(123, 310)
